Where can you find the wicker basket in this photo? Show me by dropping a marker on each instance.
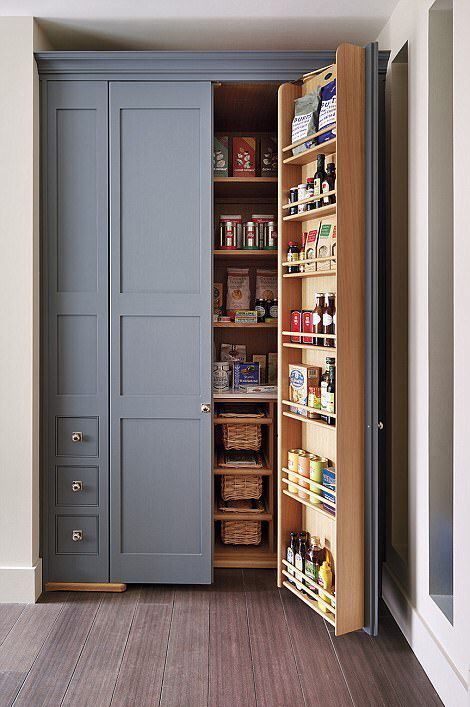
(242, 437)
(239, 487)
(241, 532)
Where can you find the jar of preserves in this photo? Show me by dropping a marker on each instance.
(293, 255)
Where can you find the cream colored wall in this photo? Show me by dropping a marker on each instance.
(20, 565)
(442, 648)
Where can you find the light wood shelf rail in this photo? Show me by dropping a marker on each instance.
(312, 603)
(312, 494)
(236, 325)
(309, 505)
(311, 581)
(309, 200)
(310, 481)
(308, 261)
(311, 215)
(310, 273)
(306, 333)
(319, 423)
(308, 347)
(312, 136)
(316, 411)
(310, 155)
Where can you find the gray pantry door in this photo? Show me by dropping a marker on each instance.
(160, 151)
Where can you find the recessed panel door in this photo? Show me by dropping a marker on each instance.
(160, 318)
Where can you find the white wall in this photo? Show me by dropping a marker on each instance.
(442, 648)
(20, 566)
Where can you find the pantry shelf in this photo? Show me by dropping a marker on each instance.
(308, 261)
(299, 333)
(297, 143)
(236, 325)
(310, 215)
(307, 504)
(242, 420)
(230, 395)
(310, 602)
(311, 581)
(303, 489)
(245, 187)
(223, 252)
(309, 200)
(326, 148)
(318, 423)
(310, 273)
(242, 471)
(310, 481)
(308, 347)
(252, 556)
(308, 409)
(248, 515)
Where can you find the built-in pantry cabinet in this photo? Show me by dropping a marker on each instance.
(131, 429)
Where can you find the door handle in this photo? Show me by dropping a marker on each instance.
(77, 436)
(77, 486)
(77, 536)
(205, 407)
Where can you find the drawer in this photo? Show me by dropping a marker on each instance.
(76, 486)
(77, 436)
(85, 531)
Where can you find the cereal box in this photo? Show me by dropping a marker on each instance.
(300, 379)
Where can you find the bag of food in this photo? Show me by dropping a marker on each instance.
(305, 119)
(238, 290)
(327, 112)
(266, 284)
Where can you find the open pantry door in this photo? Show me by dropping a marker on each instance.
(328, 340)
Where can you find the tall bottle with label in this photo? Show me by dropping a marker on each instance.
(300, 556)
(325, 381)
(315, 556)
(329, 185)
(317, 318)
(331, 395)
(318, 179)
(291, 549)
(329, 318)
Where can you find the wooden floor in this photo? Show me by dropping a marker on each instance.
(241, 642)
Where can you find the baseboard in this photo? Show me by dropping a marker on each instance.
(451, 687)
(20, 585)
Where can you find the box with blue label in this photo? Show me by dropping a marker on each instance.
(329, 482)
(245, 373)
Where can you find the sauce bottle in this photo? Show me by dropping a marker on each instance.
(330, 395)
(329, 184)
(318, 179)
(293, 256)
(329, 318)
(290, 554)
(317, 318)
(315, 556)
(325, 381)
(300, 556)
(325, 580)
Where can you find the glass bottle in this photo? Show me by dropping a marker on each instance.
(329, 318)
(300, 556)
(290, 554)
(330, 394)
(317, 318)
(329, 184)
(293, 256)
(318, 178)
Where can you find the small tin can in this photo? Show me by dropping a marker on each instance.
(271, 237)
(250, 236)
(304, 470)
(293, 465)
(293, 197)
(301, 194)
(296, 325)
(307, 325)
(316, 468)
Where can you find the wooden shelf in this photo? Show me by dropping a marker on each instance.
(309, 409)
(318, 423)
(225, 187)
(310, 273)
(243, 420)
(309, 200)
(318, 336)
(308, 261)
(242, 471)
(309, 347)
(222, 253)
(297, 143)
(311, 581)
(251, 556)
(230, 395)
(230, 515)
(310, 602)
(312, 506)
(312, 494)
(316, 484)
(310, 155)
(233, 325)
(311, 215)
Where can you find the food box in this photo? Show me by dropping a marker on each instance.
(220, 154)
(245, 373)
(244, 157)
(259, 388)
(246, 316)
(301, 378)
(311, 246)
(326, 244)
(268, 156)
(261, 358)
(218, 293)
(233, 352)
(272, 368)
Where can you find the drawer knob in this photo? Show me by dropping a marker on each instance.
(77, 436)
(205, 407)
(77, 486)
(77, 536)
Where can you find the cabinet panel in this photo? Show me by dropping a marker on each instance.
(75, 276)
(161, 303)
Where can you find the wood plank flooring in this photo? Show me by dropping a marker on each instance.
(239, 643)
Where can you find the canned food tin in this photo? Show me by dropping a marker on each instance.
(301, 194)
(296, 325)
(293, 465)
(292, 198)
(271, 239)
(304, 470)
(316, 468)
(307, 325)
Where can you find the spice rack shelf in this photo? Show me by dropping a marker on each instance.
(317, 423)
(343, 442)
(311, 581)
(315, 411)
(310, 602)
(308, 347)
(308, 200)
(310, 273)
(236, 325)
(309, 138)
(326, 148)
(309, 215)
(309, 505)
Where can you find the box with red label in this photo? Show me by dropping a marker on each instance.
(244, 157)
(296, 325)
(311, 246)
(301, 378)
(307, 325)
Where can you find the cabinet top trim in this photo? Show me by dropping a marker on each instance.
(171, 65)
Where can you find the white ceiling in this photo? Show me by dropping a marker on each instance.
(204, 24)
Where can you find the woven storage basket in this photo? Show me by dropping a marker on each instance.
(239, 487)
(241, 532)
(242, 437)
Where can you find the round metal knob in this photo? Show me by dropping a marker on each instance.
(380, 425)
(77, 486)
(205, 407)
(77, 436)
(77, 536)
